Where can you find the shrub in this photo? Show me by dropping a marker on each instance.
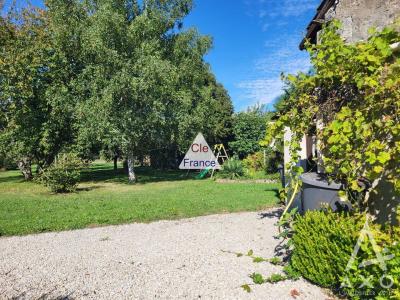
(248, 130)
(291, 273)
(255, 162)
(378, 277)
(267, 160)
(232, 168)
(323, 243)
(64, 174)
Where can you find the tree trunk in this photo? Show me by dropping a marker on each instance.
(131, 169)
(25, 166)
(115, 163)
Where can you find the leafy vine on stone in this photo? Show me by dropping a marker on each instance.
(354, 90)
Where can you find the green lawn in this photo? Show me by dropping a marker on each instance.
(104, 197)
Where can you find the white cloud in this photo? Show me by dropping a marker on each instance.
(274, 65)
(261, 90)
(297, 7)
(279, 12)
(282, 56)
(285, 8)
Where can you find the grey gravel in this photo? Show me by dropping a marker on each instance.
(166, 259)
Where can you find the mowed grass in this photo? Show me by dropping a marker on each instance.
(105, 197)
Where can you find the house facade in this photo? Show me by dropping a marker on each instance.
(357, 17)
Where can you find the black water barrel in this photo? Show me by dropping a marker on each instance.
(318, 193)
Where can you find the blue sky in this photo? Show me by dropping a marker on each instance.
(254, 41)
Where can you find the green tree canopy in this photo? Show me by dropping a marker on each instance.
(34, 120)
(107, 75)
(248, 131)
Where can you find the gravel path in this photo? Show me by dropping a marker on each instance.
(166, 259)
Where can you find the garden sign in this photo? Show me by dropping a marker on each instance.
(199, 156)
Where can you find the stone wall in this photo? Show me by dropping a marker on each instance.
(357, 16)
(384, 203)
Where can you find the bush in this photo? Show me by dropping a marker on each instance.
(232, 168)
(255, 161)
(248, 130)
(64, 174)
(377, 277)
(267, 160)
(323, 244)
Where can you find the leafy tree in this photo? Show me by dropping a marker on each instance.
(119, 77)
(145, 84)
(34, 124)
(248, 131)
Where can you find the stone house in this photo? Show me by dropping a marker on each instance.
(357, 17)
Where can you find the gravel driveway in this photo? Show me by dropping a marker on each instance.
(166, 259)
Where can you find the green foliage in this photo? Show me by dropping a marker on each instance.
(6, 163)
(254, 162)
(119, 77)
(387, 244)
(257, 278)
(266, 161)
(34, 123)
(275, 260)
(248, 131)
(323, 243)
(291, 273)
(273, 159)
(274, 278)
(258, 259)
(232, 168)
(246, 287)
(144, 85)
(285, 224)
(64, 173)
(353, 90)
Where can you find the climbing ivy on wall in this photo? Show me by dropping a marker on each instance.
(354, 90)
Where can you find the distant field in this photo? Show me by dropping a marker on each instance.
(105, 197)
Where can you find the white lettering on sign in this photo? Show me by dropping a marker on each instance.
(199, 156)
